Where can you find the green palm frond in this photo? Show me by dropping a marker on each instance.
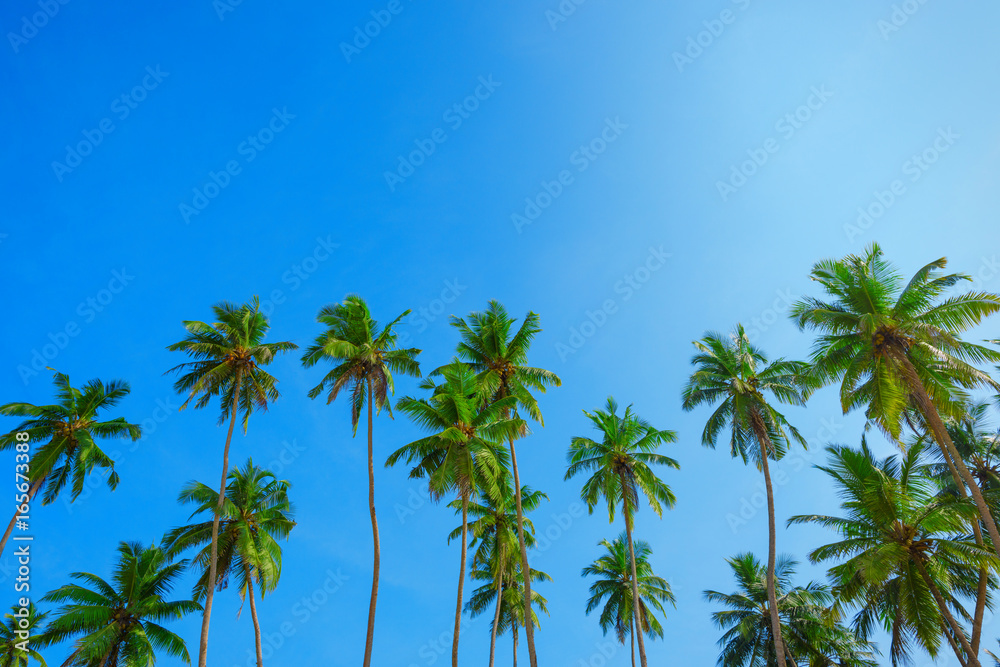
(363, 354)
(118, 622)
(68, 432)
(229, 356)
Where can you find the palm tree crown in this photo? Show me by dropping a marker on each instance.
(905, 550)
(808, 623)
(620, 462)
(363, 353)
(118, 622)
(256, 514)
(500, 359)
(613, 588)
(12, 642)
(462, 452)
(874, 321)
(229, 357)
(733, 372)
(71, 428)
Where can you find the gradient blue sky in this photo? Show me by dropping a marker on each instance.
(444, 240)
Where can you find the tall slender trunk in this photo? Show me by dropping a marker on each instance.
(636, 610)
(529, 629)
(946, 631)
(17, 513)
(496, 618)
(772, 537)
(788, 656)
(253, 615)
(212, 572)
(933, 419)
(973, 661)
(515, 645)
(461, 576)
(369, 641)
(982, 590)
(977, 618)
(632, 638)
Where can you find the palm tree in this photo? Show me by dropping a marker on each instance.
(905, 548)
(734, 373)
(893, 346)
(462, 452)
(494, 530)
(118, 622)
(979, 447)
(19, 636)
(229, 358)
(809, 624)
(256, 514)
(510, 600)
(620, 464)
(72, 428)
(364, 356)
(501, 361)
(613, 588)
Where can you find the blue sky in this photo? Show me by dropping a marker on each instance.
(654, 169)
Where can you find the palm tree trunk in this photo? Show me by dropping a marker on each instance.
(980, 611)
(772, 599)
(496, 618)
(17, 513)
(632, 638)
(933, 419)
(983, 588)
(946, 631)
(253, 615)
(369, 641)
(461, 576)
(514, 628)
(210, 590)
(788, 655)
(529, 629)
(973, 660)
(636, 610)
